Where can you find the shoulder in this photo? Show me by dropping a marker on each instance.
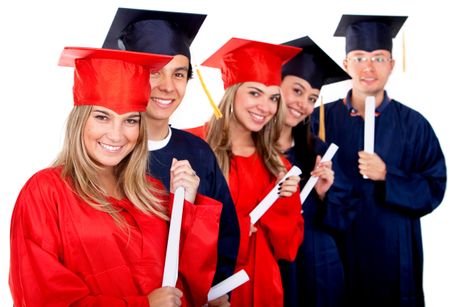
(409, 116)
(190, 140)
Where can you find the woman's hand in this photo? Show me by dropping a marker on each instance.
(165, 297)
(182, 175)
(325, 173)
(222, 301)
(289, 186)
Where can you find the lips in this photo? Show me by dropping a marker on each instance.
(294, 112)
(257, 117)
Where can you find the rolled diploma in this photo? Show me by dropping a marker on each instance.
(369, 125)
(271, 197)
(228, 285)
(173, 242)
(313, 180)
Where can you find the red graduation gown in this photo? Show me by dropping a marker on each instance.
(280, 232)
(64, 252)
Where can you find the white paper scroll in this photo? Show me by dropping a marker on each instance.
(173, 243)
(369, 125)
(313, 180)
(228, 285)
(270, 198)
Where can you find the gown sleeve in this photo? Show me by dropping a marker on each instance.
(419, 190)
(283, 225)
(198, 249)
(38, 276)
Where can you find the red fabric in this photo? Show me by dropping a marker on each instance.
(64, 252)
(279, 234)
(114, 84)
(198, 131)
(242, 60)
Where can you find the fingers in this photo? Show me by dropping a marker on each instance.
(182, 175)
(222, 301)
(289, 186)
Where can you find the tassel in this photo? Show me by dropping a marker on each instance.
(321, 120)
(216, 110)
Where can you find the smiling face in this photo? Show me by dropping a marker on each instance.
(255, 104)
(370, 71)
(109, 137)
(168, 88)
(299, 98)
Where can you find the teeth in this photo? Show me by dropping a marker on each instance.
(295, 112)
(162, 101)
(257, 116)
(109, 147)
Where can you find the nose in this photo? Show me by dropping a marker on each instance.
(115, 131)
(368, 66)
(165, 83)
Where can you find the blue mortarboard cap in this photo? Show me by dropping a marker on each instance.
(155, 32)
(313, 64)
(369, 32)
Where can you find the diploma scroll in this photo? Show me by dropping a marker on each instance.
(173, 243)
(313, 180)
(228, 285)
(369, 125)
(270, 198)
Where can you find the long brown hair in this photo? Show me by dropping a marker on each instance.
(218, 135)
(81, 171)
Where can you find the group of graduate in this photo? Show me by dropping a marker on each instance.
(92, 229)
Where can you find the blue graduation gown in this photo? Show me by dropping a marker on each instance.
(186, 146)
(381, 242)
(316, 277)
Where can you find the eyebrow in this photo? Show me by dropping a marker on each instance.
(101, 111)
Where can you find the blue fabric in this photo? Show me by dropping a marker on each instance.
(316, 277)
(186, 146)
(379, 229)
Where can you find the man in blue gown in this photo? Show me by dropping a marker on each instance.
(172, 33)
(380, 234)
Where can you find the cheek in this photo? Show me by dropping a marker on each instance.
(132, 134)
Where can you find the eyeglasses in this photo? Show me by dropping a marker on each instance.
(378, 59)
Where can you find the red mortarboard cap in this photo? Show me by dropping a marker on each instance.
(242, 60)
(114, 79)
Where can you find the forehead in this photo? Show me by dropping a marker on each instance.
(369, 53)
(272, 89)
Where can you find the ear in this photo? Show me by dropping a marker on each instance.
(345, 64)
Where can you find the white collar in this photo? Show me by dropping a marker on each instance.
(155, 145)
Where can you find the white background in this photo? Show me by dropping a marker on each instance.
(36, 97)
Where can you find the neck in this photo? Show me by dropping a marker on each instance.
(358, 100)
(109, 182)
(285, 140)
(157, 129)
(242, 143)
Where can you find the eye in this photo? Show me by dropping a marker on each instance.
(360, 59)
(379, 59)
(275, 98)
(101, 117)
(180, 75)
(254, 93)
(298, 91)
(133, 121)
(313, 100)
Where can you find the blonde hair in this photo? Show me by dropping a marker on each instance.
(218, 135)
(80, 170)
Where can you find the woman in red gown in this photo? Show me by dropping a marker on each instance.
(92, 229)
(244, 141)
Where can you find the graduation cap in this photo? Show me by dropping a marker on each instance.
(115, 79)
(313, 64)
(369, 32)
(242, 60)
(153, 31)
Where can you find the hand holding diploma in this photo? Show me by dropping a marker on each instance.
(228, 285)
(184, 181)
(270, 198)
(332, 149)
